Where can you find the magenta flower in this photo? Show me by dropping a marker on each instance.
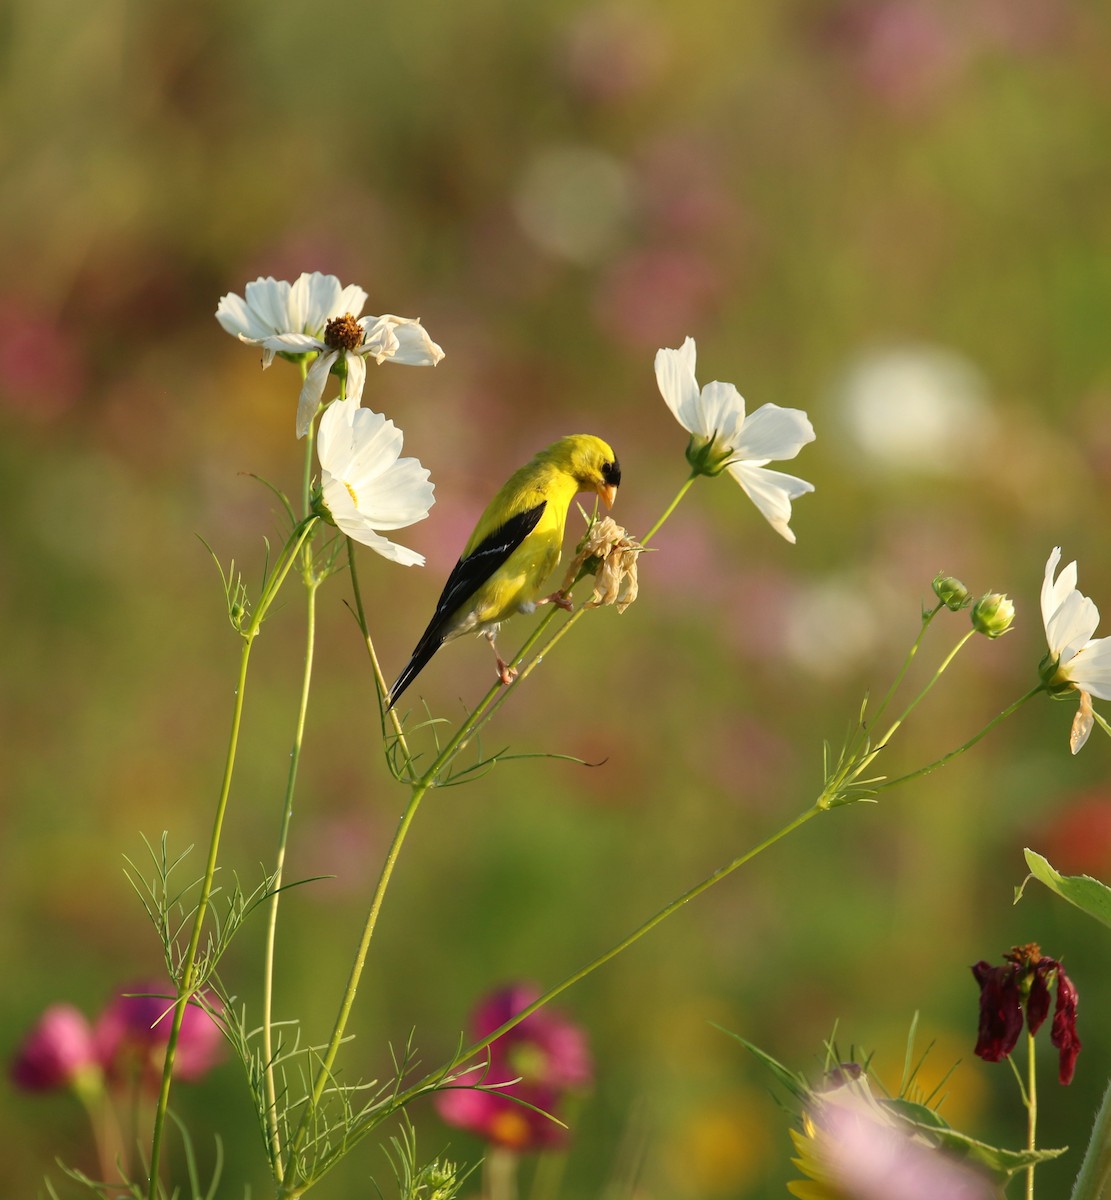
(539, 1061)
(57, 1052)
(132, 1031)
(1024, 980)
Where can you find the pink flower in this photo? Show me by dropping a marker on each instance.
(538, 1062)
(132, 1031)
(57, 1051)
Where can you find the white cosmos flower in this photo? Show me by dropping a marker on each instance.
(724, 438)
(273, 308)
(1076, 661)
(365, 483)
(318, 315)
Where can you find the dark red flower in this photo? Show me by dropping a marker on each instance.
(1024, 982)
(1063, 1032)
(537, 1062)
(1000, 1010)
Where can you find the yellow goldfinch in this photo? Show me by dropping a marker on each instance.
(514, 548)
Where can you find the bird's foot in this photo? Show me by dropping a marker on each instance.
(506, 673)
(560, 599)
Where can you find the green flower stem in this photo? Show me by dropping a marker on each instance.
(945, 758)
(923, 693)
(311, 584)
(1031, 1111)
(1094, 1180)
(274, 1135)
(670, 508)
(927, 618)
(379, 678)
(721, 873)
(187, 978)
(289, 1188)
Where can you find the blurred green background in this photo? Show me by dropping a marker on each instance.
(892, 213)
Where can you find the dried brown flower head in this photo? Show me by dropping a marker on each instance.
(609, 554)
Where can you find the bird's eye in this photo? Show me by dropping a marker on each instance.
(611, 472)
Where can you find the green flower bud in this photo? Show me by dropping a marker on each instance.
(707, 455)
(992, 615)
(951, 592)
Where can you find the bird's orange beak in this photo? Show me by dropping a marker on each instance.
(608, 492)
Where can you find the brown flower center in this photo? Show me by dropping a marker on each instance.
(343, 333)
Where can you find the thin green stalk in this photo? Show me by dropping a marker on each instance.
(665, 912)
(311, 585)
(187, 977)
(269, 952)
(1094, 1180)
(379, 678)
(1031, 1112)
(419, 789)
(923, 693)
(945, 758)
(670, 508)
(927, 618)
(189, 962)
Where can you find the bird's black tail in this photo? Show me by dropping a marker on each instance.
(426, 647)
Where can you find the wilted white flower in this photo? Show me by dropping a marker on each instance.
(1076, 661)
(723, 438)
(614, 554)
(365, 485)
(317, 315)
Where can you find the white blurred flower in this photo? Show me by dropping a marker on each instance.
(318, 315)
(723, 438)
(915, 408)
(573, 202)
(1076, 661)
(365, 484)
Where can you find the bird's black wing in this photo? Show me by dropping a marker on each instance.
(467, 576)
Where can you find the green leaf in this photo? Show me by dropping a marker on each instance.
(1001, 1163)
(1086, 893)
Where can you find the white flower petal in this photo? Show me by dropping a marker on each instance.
(776, 433)
(1090, 668)
(292, 343)
(268, 300)
(364, 484)
(721, 412)
(399, 497)
(1081, 724)
(312, 390)
(678, 386)
(1071, 626)
(414, 348)
(1054, 592)
(356, 375)
(771, 492)
(379, 340)
(350, 521)
(236, 318)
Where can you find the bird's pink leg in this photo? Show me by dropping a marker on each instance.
(560, 599)
(506, 673)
